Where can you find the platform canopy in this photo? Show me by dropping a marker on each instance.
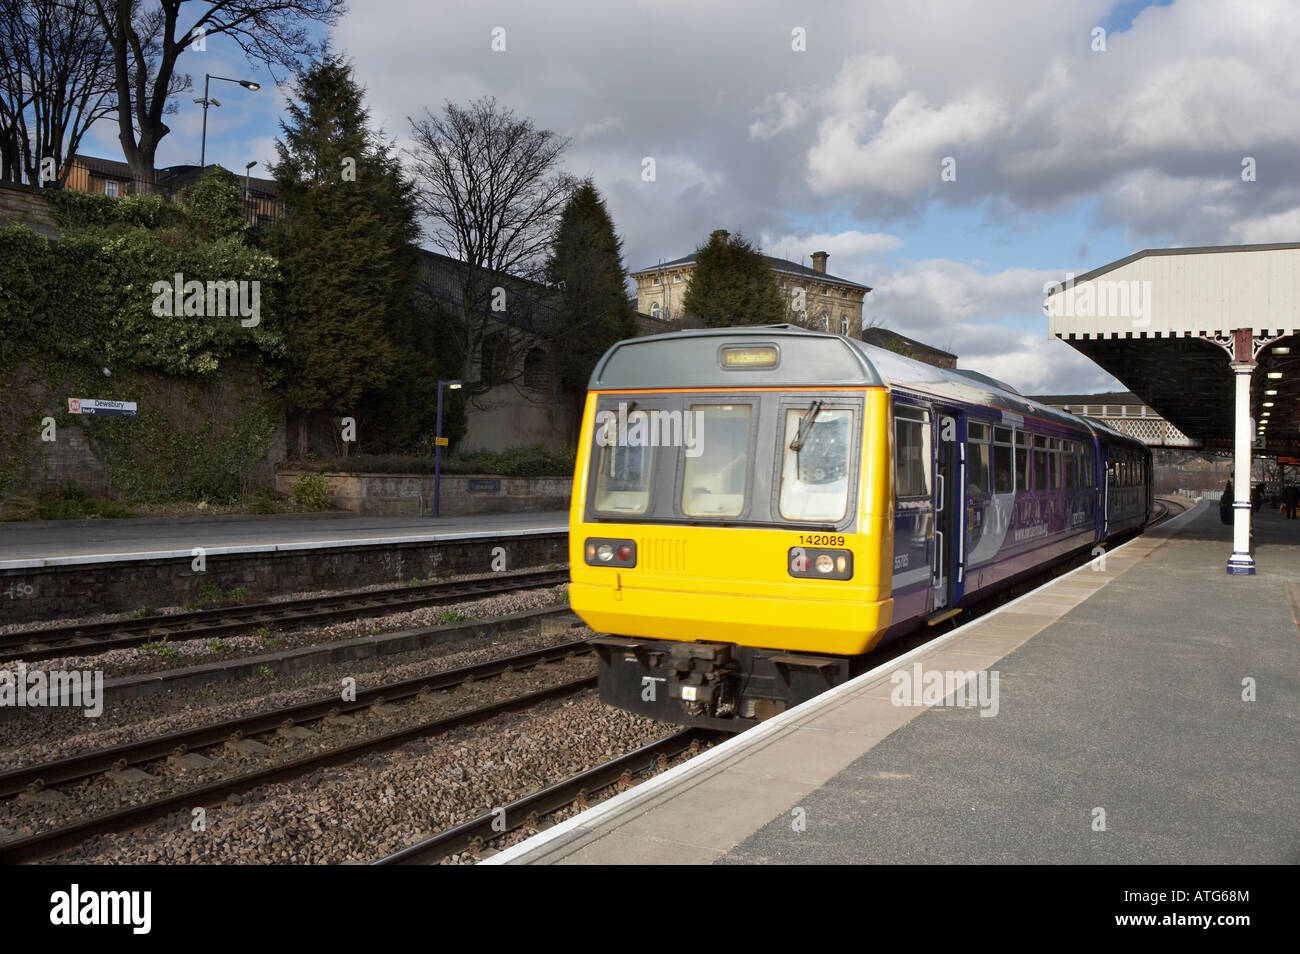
(1165, 322)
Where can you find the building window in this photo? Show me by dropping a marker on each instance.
(537, 372)
(110, 188)
(844, 324)
(654, 310)
(656, 279)
(677, 278)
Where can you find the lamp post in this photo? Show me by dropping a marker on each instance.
(247, 196)
(438, 441)
(209, 101)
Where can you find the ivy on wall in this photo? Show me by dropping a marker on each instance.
(193, 438)
(204, 373)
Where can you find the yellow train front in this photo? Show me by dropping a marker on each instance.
(731, 521)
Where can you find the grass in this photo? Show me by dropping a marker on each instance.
(211, 596)
(160, 649)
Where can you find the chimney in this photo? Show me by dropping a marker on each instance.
(720, 235)
(819, 261)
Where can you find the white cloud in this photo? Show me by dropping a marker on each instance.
(1277, 227)
(851, 253)
(779, 113)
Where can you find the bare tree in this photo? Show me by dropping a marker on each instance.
(146, 39)
(56, 79)
(490, 190)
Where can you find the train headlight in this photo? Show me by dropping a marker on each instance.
(820, 564)
(600, 551)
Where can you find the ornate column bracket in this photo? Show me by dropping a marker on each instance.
(1241, 345)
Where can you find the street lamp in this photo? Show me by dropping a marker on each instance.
(438, 442)
(209, 101)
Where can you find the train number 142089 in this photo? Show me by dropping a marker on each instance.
(821, 540)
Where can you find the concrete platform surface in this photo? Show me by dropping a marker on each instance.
(1145, 712)
(51, 542)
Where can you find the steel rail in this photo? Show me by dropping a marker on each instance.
(51, 642)
(55, 839)
(85, 765)
(527, 810)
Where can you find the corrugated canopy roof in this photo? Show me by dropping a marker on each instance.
(1146, 319)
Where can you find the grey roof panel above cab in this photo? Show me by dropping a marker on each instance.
(693, 359)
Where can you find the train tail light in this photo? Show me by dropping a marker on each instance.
(600, 551)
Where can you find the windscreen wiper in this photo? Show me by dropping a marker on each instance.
(805, 425)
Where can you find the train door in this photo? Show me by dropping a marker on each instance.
(949, 476)
(1107, 481)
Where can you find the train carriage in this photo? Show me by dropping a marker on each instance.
(755, 509)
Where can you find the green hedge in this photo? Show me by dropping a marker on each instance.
(78, 210)
(90, 297)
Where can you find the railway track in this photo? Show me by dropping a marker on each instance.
(51, 642)
(1165, 509)
(527, 811)
(73, 769)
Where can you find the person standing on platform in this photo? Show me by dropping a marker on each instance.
(1225, 504)
(1291, 497)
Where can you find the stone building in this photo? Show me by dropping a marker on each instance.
(910, 347)
(830, 303)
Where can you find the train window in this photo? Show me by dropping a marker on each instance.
(1003, 475)
(912, 456)
(1022, 460)
(815, 478)
(1040, 462)
(714, 481)
(623, 478)
(1054, 462)
(977, 457)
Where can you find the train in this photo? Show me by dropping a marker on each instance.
(756, 509)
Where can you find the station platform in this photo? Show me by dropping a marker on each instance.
(1147, 711)
(46, 543)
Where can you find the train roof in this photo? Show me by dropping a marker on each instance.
(690, 359)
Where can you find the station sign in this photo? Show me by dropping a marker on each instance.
(97, 406)
(1289, 461)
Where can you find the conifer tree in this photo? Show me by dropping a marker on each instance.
(346, 250)
(732, 284)
(586, 265)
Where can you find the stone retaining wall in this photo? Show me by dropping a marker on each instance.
(412, 494)
(55, 592)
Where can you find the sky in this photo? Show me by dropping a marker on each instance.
(1079, 132)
